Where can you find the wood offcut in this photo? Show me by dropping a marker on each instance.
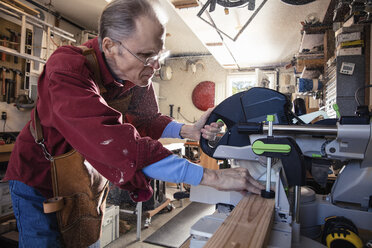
(181, 4)
(248, 225)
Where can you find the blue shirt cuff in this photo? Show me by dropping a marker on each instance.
(172, 130)
(176, 170)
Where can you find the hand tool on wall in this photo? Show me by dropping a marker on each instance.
(9, 90)
(3, 87)
(17, 76)
(2, 55)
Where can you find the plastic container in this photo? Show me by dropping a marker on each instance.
(110, 225)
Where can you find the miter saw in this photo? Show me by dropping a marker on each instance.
(260, 135)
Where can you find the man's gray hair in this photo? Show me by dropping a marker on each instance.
(117, 20)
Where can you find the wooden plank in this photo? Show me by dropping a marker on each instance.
(214, 44)
(208, 162)
(22, 7)
(151, 213)
(180, 4)
(7, 217)
(248, 225)
(6, 148)
(186, 244)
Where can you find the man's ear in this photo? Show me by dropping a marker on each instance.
(108, 46)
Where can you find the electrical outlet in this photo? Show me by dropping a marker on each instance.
(3, 116)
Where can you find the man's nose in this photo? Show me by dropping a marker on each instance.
(155, 64)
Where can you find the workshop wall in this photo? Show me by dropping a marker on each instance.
(178, 90)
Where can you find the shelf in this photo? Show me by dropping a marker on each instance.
(309, 63)
(21, 55)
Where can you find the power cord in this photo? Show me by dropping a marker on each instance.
(356, 95)
(179, 111)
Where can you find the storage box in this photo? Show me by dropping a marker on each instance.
(348, 37)
(110, 225)
(349, 51)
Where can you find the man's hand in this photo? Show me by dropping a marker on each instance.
(209, 132)
(235, 179)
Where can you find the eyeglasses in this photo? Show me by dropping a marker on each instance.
(149, 61)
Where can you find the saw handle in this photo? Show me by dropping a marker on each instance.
(213, 117)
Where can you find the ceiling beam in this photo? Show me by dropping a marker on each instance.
(181, 4)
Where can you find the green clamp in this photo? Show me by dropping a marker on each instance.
(337, 110)
(259, 148)
(270, 118)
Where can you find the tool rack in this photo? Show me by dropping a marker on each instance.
(18, 49)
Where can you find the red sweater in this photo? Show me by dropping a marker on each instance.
(73, 114)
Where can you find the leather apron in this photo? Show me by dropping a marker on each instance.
(79, 190)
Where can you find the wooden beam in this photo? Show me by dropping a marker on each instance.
(180, 4)
(214, 44)
(22, 7)
(248, 225)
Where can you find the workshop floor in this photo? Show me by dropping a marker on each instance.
(129, 239)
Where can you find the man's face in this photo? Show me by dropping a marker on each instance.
(126, 57)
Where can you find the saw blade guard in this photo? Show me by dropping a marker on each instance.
(247, 111)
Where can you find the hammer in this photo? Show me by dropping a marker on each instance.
(17, 76)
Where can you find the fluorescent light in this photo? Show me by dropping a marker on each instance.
(109, 1)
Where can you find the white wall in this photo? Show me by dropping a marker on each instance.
(178, 90)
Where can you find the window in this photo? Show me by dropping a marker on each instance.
(240, 82)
